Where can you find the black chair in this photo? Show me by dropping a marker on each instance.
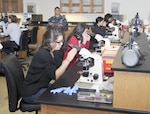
(13, 46)
(12, 70)
(32, 44)
(23, 43)
(23, 46)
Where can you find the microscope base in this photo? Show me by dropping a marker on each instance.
(83, 83)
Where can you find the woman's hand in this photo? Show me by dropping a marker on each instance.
(66, 62)
(71, 54)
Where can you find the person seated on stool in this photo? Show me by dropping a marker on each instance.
(12, 30)
(79, 38)
(43, 68)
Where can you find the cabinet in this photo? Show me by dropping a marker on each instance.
(131, 85)
(11, 6)
(82, 6)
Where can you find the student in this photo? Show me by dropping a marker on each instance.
(99, 27)
(108, 18)
(43, 68)
(60, 22)
(13, 30)
(79, 38)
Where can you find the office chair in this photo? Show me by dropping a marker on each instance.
(23, 46)
(14, 77)
(23, 43)
(13, 46)
(32, 44)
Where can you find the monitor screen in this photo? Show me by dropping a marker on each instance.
(118, 17)
(37, 17)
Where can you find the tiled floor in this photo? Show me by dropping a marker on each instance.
(4, 108)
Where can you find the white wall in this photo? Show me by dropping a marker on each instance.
(45, 7)
(129, 8)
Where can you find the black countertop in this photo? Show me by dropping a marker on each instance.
(144, 49)
(61, 99)
(44, 23)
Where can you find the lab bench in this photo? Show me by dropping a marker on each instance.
(131, 90)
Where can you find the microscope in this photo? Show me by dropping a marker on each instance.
(102, 43)
(92, 63)
(136, 24)
(92, 67)
(114, 33)
(131, 55)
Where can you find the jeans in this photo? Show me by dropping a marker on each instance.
(9, 47)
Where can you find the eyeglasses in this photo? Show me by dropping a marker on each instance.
(59, 42)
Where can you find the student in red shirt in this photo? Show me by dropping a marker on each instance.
(79, 38)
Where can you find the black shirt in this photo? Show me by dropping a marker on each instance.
(99, 30)
(40, 73)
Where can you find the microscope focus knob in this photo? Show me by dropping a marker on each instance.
(85, 74)
(95, 76)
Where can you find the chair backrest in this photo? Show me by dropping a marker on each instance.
(34, 33)
(92, 28)
(14, 77)
(23, 44)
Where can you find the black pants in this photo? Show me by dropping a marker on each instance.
(9, 47)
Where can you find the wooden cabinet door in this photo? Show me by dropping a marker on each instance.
(12, 6)
(0, 5)
(82, 6)
(4, 5)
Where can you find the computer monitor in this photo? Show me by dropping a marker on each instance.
(37, 17)
(118, 17)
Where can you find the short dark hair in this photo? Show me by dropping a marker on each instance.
(57, 7)
(99, 19)
(107, 16)
(13, 18)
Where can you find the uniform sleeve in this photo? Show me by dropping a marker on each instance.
(65, 24)
(48, 25)
(50, 19)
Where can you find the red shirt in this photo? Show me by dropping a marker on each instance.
(73, 40)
